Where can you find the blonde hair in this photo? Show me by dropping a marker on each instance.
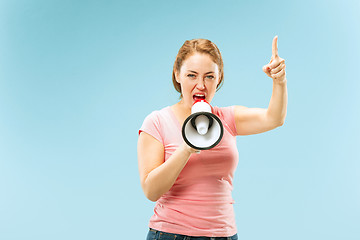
(191, 47)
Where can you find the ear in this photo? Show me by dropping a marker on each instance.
(218, 81)
(177, 76)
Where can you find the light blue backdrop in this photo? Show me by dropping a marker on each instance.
(77, 79)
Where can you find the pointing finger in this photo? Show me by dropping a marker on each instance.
(274, 47)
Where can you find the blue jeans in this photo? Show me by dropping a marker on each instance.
(159, 235)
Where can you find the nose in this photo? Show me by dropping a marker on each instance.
(200, 84)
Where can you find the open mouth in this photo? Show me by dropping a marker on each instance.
(198, 97)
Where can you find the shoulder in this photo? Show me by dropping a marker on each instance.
(227, 115)
(224, 111)
(153, 123)
(158, 114)
(157, 117)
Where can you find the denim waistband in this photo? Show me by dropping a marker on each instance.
(154, 234)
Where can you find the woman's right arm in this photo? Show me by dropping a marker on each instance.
(156, 175)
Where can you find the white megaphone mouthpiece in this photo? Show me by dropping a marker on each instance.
(202, 124)
(202, 130)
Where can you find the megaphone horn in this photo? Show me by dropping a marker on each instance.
(202, 130)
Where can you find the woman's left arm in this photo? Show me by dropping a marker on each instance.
(257, 120)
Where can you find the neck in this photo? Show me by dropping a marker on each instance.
(183, 107)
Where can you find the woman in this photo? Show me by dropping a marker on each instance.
(193, 191)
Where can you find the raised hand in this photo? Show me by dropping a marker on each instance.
(276, 67)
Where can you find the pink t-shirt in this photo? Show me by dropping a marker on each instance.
(200, 201)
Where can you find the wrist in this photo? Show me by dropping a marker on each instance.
(187, 149)
(281, 82)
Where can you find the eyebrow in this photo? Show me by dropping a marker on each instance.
(196, 72)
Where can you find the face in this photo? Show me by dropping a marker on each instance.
(198, 77)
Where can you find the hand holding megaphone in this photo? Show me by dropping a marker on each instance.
(189, 149)
(202, 130)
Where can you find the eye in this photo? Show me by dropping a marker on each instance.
(210, 77)
(190, 75)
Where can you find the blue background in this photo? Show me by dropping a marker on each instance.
(77, 79)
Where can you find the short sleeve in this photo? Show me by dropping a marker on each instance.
(151, 125)
(228, 115)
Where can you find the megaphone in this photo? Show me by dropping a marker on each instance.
(202, 130)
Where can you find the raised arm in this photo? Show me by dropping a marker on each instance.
(257, 120)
